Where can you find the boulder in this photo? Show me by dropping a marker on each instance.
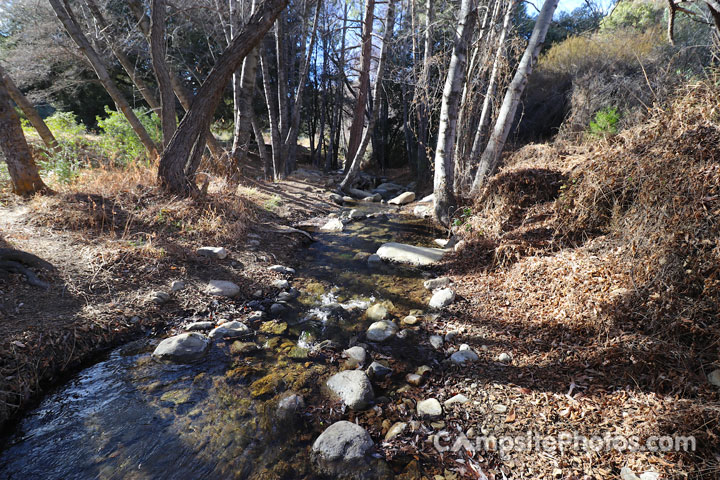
(352, 387)
(222, 288)
(410, 254)
(402, 199)
(230, 330)
(183, 348)
(435, 283)
(430, 408)
(213, 252)
(333, 225)
(442, 298)
(389, 187)
(377, 312)
(343, 451)
(381, 331)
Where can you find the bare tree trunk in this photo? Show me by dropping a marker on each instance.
(21, 166)
(358, 121)
(35, 119)
(282, 91)
(127, 65)
(492, 85)
(357, 161)
(181, 92)
(157, 54)
(262, 150)
(272, 108)
(506, 115)
(423, 120)
(64, 14)
(181, 158)
(336, 119)
(444, 162)
(291, 140)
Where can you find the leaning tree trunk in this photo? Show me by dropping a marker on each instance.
(21, 166)
(356, 128)
(157, 54)
(181, 158)
(35, 119)
(506, 115)
(64, 14)
(444, 162)
(357, 161)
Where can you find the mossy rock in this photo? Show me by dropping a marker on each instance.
(273, 327)
(273, 343)
(267, 385)
(242, 372)
(315, 288)
(177, 397)
(243, 348)
(298, 353)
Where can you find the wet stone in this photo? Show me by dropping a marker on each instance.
(183, 348)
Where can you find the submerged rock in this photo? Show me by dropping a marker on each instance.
(442, 298)
(222, 288)
(381, 331)
(183, 348)
(289, 407)
(402, 199)
(410, 254)
(353, 388)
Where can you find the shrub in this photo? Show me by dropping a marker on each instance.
(118, 140)
(65, 162)
(605, 123)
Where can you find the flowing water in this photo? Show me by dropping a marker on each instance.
(130, 417)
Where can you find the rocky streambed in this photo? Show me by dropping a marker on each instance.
(280, 386)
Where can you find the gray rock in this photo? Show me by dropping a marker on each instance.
(450, 336)
(361, 194)
(285, 297)
(335, 198)
(374, 260)
(435, 283)
(333, 225)
(377, 312)
(356, 353)
(459, 245)
(459, 398)
(381, 331)
(442, 298)
(222, 288)
(282, 269)
(427, 199)
(714, 377)
(159, 298)
(348, 199)
(395, 430)
(377, 369)
(352, 387)
(343, 450)
(177, 285)
(277, 309)
(257, 294)
(186, 347)
(375, 197)
(230, 330)
(430, 408)
(410, 254)
(410, 320)
(436, 341)
(289, 406)
(402, 199)
(354, 214)
(422, 211)
(214, 252)
(464, 356)
(414, 379)
(504, 358)
(389, 187)
(199, 326)
(282, 284)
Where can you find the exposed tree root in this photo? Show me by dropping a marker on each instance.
(16, 261)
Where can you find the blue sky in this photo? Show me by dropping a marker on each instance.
(570, 5)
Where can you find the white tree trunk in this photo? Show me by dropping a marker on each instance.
(506, 115)
(444, 161)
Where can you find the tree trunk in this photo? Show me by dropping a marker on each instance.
(157, 54)
(180, 160)
(64, 14)
(291, 140)
(506, 115)
(444, 162)
(282, 91)
(272, 108)
(423, 121)
(357, 161)
(35, 119)
(262, 150)
(21, 166)
(358, 121)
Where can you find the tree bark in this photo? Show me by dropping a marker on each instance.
(358, 121)
(506, 116)
(21, 166)
(444, 161)
(157, 54)
(180, 160)
(272, 108)
(64, 14)
(282, 91)
(35, 119)
(358, 159)
(423, 121)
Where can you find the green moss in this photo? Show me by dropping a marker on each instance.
(269, 384)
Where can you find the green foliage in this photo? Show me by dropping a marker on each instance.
(65, 126)
(638, 15)
(605, 123)
(462, 220)
(118, 140)
(64, 163)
